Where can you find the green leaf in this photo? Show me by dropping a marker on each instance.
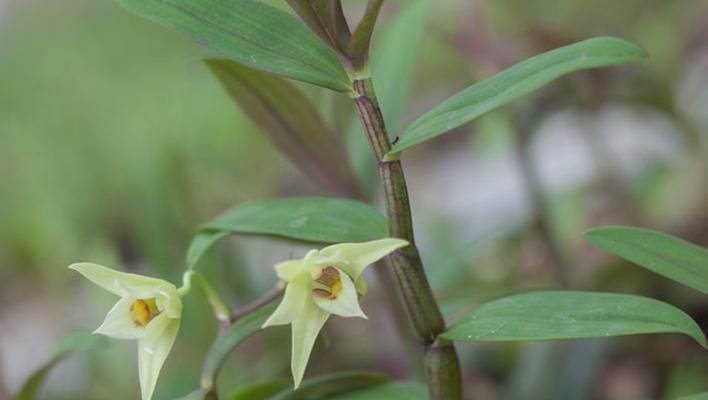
(311, 219)
(571, 315)
(517, 81)
(291, 123)
(201, 243)
(74, 342)
(260, 391)
(230, 339)
(359, 46)
(327, 385)
(252, 33)
(388, 391)
(664, 254)
(326, 19)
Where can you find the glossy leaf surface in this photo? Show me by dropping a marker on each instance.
(571, 315)
(251, 33)
(310, 219)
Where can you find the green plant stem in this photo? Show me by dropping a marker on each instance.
(441, 362)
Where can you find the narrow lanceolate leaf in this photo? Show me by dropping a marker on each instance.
(324, 387)
(290, 121)
(230, 339)
(571, 315)
(664, 254)
(252, 33)
(311, 219)
(326, 19)
(515, 82)
(75, 342)
(361, 39)
(388, 391)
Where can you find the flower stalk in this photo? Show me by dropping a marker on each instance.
(441, 362)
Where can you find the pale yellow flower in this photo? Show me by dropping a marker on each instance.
(325, 282)
(149, 310)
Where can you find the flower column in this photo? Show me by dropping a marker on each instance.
(441, 363)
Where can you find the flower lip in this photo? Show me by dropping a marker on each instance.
(329, 277)
(142, 311)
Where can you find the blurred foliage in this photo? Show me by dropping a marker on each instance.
(116, 143)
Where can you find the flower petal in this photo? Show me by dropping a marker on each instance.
(151, 357)
(168, 300)
(346, 303)
(304, 333)
(360, 255)
(288, 270)
(119, 283)
(119, 324)
(290, 307)
(156, 328)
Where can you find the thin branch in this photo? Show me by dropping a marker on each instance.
(271, 295)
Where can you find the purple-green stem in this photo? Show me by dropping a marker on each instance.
(442, 367)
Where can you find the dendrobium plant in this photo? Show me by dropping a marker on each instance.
(326, 281)
(149, 310)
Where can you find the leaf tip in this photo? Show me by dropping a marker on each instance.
(632, 50)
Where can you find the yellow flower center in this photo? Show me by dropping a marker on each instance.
(143, 311)
(331, 279)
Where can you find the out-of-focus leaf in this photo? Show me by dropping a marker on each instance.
(517, 81)
(260, 391)
(664, 254)
(232, 337)
(311, 219)
(326, 19)
(325, 386)
(394, 55)
(74, 342)
(252, 33)
(571, 315)
(697, 396)
(291, 123)
(388, 391)
(361, 39)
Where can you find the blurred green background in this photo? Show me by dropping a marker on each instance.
(116, 143)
